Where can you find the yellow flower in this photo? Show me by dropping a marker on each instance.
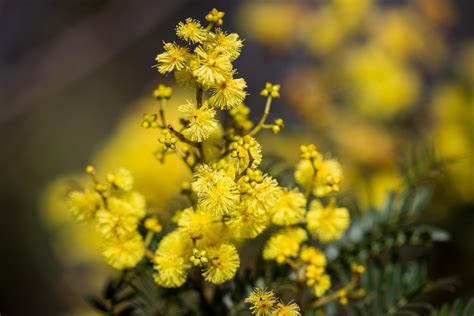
(223, 263)
(313, 256)
(290, 309)
(123, 254)
(284, 244)
(170, 270)
(248, 222)
(329, 222)
(121, 178)
(322, 284)
(261, 301)
(327, 178)
(84, 205)
(175, 243)
(222, 198)
(201, 122)
(289, 209)
(174, 58)
(228, 44)
(153, 224)
(195, 224)
(213, 67)
(259, 190)
(191, 31)
(228, 94)
(244, 152)
(119, 220)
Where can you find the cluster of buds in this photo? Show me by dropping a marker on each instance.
(277, 126)
(215, 16)
(153, 224)
(240, 114)
(240, 148)
(163, 92)
(150, 121)
(199, 257)
(271, 90)
(168, 140)
(309, 152)
(101, 188)
(251, 179)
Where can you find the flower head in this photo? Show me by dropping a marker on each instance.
(284, 244)
(228, 44)
(290, 309)
(248, 222)
(174, 58)
(201, 122)
(261, 301)
(121, 178)
(213, 67)
(217, 192)
(228, 94)
(123, 254)
(259, 190)
(191, 31)
(84, 205)
(223, 263)
(170, 270)
(119, 220)
(289, 209)
(328, 222)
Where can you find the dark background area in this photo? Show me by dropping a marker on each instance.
(68, 71)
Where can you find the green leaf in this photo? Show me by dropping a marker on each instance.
(96, 303)
(469, 309)
(457, 308)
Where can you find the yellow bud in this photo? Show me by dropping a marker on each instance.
(90, 169)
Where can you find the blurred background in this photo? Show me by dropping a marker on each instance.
(378, 84)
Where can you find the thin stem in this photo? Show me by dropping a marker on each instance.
(162, 112)
(334, 295)
(264, 117)
(181, 137)
(199, 96)
(184, 158)
(148, 238)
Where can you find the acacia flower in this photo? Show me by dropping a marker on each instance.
(261, 301)
(259, 191)
(191, 31)
(228, 44)
(290, 309)
(223, 263)
(119, 220)
(284, 244)
(121, 178)
(170, 270)
(213, 67)
(228, 94)
(123, 254)
(174, 58)
(329, 222)
(289, 209)
(248, 222)
(201, 122)
(84, 205)
(195, 224)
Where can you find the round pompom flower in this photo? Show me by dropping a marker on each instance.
(223, 263)
(329, 222)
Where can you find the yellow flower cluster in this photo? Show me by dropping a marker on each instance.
(116, 210)
(263, 302)
(231, 199)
